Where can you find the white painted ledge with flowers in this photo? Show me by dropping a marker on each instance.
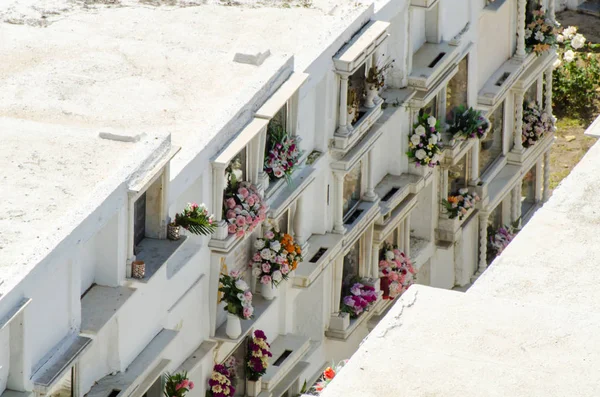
(362, 301)
(456, 209)
(466, 126)
(424, 145)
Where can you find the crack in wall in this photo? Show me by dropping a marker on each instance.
(396, 323)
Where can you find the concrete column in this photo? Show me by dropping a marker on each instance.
(262, 180)
(338, 216)
(406, 235)
(299, 235)
(518, 131)
(474, 177)
(546, 192)
(441, 107)
(343, 116)
(516, 203)
(520, 53)
(409, 46)
(483, 222)
(552, 9)
(548, 93)
(375, 260)
(370, 192)
(539, 94)
(218, 190)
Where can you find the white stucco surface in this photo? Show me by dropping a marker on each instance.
(445, 343)
(53, 177)
(130, 67)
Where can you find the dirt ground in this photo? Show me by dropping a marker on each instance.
(571, 145)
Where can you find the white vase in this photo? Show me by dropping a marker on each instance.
(233, 328)
(371, 95)
(253, 388)
(268, 291)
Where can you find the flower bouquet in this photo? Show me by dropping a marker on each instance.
(221, 382)
(258, 356)
(424, 144)
(195, 219)
(243, 207)
(468, 123)
(499, 239)
(536, 123)
(283, 153)
(459, 204)
(540, 33)
(360, 299)
(395, 271)
(177, 385)
(237, 295)
(327, 377)
(277, 255)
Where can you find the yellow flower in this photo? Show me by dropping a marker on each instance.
(226, 390)
(217, 389)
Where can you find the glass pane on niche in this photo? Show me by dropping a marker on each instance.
(531, 93)
(283, 221)
(351, 196)
(528, 191)
(356, 95)
(456, 91)
(237, 361)
(491, 146)
(430, 108)
(238, 165)
(458, 175)
(351, 268)
(277, 128)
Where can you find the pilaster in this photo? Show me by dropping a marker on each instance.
(343, 110)
(483, 223)
(518, 130)
(370, 192)
(338, 218)
(218, 170)
(546, 188)
(520, 53)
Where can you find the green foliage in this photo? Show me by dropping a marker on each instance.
(576, 78)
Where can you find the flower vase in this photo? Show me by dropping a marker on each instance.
(253, 388)
(384, 285)
(372, 92)
(268, 291)
(234, 326)
(173, 232)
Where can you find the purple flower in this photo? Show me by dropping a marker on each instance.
(260, 334)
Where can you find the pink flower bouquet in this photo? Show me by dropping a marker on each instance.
(283, 153)
(396, 270)
(360, 299)
(177, 385)
(243, 208)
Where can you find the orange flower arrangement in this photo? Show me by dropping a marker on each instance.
(294, 252)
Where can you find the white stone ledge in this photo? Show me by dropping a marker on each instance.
(307, 272)
(261, 307)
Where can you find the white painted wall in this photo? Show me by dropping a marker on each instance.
(177, 300)
(493, 42)
(417, 28)
(4, 356)
(455, 15)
